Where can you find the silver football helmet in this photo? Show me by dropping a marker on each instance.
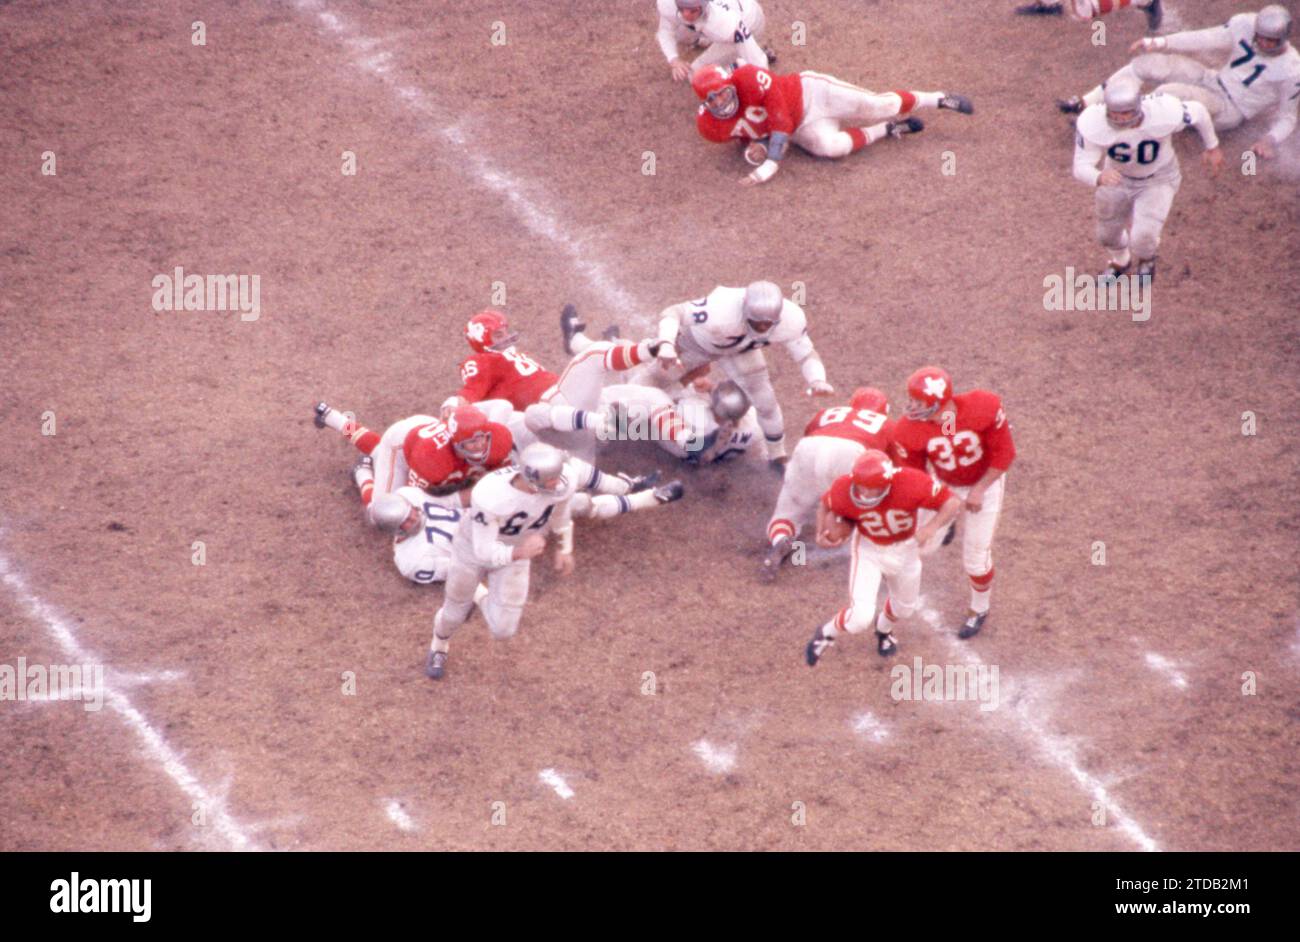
(728, 402)
(389, 512)
(1273, 26)
(542, 466)
(1123, 97)
(762, 305)
(701, 5)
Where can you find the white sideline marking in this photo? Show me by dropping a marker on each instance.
(397, 814)
(544, 223)
(556, 781)
(1168, 668)
(867, 726)
(222, 822)
(718, 759)
(1057, 749)
(535, 215)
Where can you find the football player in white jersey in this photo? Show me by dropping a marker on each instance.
(1136, 186)
(698, 428)
(730, 29)
(423, 528)
(504, 527)
(733, 325)
(1262, 72)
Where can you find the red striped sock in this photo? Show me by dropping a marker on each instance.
(909, 101)
(780, 528)
(367, 491)
(981, 583)
(364, 439)
(859, 138)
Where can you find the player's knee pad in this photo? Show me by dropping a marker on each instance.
(900, 609)
(1146, 240)
(503, 620)
(1153, 67)
(537, 417)
(859, 618)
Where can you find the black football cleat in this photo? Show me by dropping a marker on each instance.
(972, 625)
(1147, 271)
(1072, 105)
(436, 666)
(886, 646)
(772, 559)
(817, 647)
(1042, 8)
(1155, 15)
(958, 103)
(667, 493)
(318, 418)
(570, 325)
(906, 126)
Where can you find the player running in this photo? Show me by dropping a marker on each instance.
(878, 504)
(967, 441)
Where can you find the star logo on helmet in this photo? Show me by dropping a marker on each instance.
(935, 386)
(475, 330)
(451, 424)
(889, 470)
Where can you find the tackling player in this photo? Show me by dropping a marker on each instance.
(730, 29)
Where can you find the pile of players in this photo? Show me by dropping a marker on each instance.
(471, 495)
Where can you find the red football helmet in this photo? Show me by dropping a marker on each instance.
(488, 330)
(872, 473)
(927, 391)
(471, 434)
(871, 399)
(714, 87)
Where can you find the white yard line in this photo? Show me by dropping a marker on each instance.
(397, 814)
(542, 221)
(718, 759)
(868, 726)
(1058, 750)
(155, 745)
(1167, 667)
(533, 211)
(556, 781)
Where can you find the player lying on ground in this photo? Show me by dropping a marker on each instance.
(569, 414)
(820, 113)
(1091, 9)
(967, 441)
(1136, 186)
(877, 502)
(832, 441)
(1260, 71)
(422, 451)
(694, 426)
(728, 30)
(424, 526)
(732, 326)
(509, 515)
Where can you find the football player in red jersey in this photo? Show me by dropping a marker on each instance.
(878, 504)
(818, 112)
(967, 440)
(422, 451)
(496, 370)
(831, 442)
